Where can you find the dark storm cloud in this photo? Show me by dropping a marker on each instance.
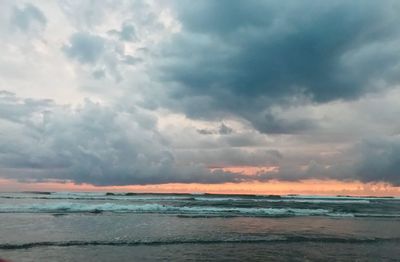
(84, 47)
(241, 57)
(24, 18)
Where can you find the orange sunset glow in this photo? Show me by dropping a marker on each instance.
(306, 187)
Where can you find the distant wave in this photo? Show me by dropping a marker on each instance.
(166, 209)
(273, 239)
(297, 200)
(191, 197)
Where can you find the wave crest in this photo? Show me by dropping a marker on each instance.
(166, 209)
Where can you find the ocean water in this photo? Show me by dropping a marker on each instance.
(182, 227)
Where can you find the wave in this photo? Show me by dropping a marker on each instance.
(167, 209)
(150, 197)
(272, 239)
(296, 200)
(196, 197)
(344, 197)
(172, 198)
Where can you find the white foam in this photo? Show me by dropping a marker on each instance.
(323, 201)
(198, 197)
(222, 199)
(296, 200)
(341, 197)
(157, 208)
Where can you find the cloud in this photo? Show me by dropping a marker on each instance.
(121, 145)
(242, 58)
(205, 131)
(90, 144)
(86, 48)
(28, 17)
(100, 55)
(19, 110)
(130, 60)
(231, 157)
(222, 130)
(379, 160)
(271, 123)
(127, 33)
(310, 88)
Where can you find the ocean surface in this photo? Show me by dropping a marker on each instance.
(45, 226)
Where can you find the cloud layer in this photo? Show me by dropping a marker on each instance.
(143, 92)
(246, 57)
(89, 144)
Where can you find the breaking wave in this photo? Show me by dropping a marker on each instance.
(192, 197)
(167, 209)
(296, 200)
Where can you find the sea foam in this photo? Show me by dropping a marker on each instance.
(165, 209)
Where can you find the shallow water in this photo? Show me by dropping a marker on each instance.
(99, 227)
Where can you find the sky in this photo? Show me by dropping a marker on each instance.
(211, 96)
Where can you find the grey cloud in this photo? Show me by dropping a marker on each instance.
(262, 63)
(222, 130)
(87, 14)
(20, 110)
(127, 33)
(91, 144)
(99, 74)
(372, 160)
(243, 57)
(248, 139)
(226, 157)
(271, 123)
(379, 160)
(114, 145)
(85, 47)
(130, 60)
(205, 131)
(102, 55)
(26, 17)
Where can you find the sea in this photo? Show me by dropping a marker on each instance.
(68, 226)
